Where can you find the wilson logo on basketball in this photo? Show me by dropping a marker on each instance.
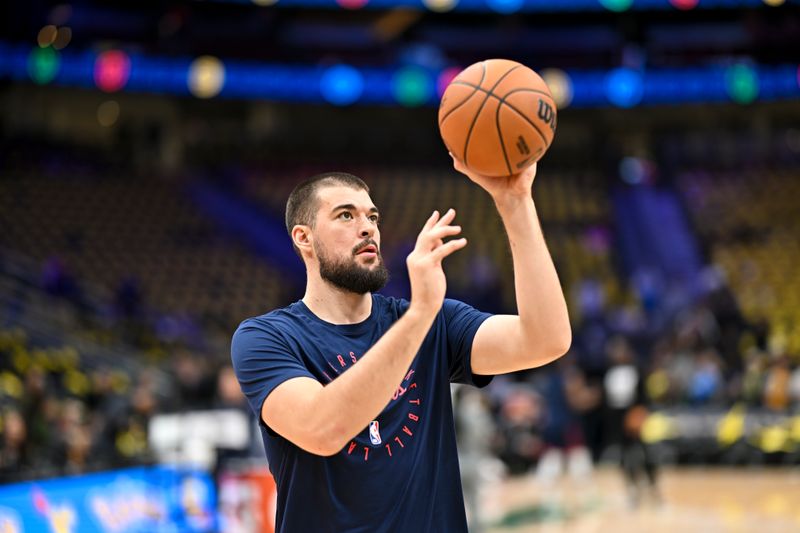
(546, 114)
(522, 146)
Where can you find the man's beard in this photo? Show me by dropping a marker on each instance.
(348, 275)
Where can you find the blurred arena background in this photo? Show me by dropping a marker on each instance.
(147, 150)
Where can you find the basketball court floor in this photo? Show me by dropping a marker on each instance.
(692, 499)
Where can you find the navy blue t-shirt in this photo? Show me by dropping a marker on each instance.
(400, 474)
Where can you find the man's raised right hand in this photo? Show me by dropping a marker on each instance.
(428, 282)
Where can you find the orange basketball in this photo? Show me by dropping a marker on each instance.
(497, 117)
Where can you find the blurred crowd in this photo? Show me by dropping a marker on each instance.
(655, 346)
(654, 354)
(59, 416)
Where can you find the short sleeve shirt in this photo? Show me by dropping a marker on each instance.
(399, 473)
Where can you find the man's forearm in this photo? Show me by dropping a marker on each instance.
(348, 404)
(541, 306)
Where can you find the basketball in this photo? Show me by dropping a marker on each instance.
(497, 117)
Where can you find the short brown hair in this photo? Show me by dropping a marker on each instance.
(301, 208)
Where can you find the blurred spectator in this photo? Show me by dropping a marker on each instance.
(625, 414)
(705, 385)
(776, 386)
(564, 446)
(14, 455)
(475, 429)
(58, 281)
(195, 385)
(585, 398)
(229, 394)
(519, 429)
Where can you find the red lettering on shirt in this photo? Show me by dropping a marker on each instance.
(389, 449)
(412, 386)
(353, 357)
(408, 376)
(351, 448)
(366, 453)
(341, 360)
(413, 417)
(399, 392)
(406, 430)
(399, 442)
(414, 401)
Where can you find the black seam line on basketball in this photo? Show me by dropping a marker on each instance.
(503, 101)
(478, 113)
(524, 89)
(465, 100)
(500, 134)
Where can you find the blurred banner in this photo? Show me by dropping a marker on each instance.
(152, 499)
(739, 434)
(194, 437)
(247, 501)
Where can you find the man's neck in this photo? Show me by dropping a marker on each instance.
(335, 305)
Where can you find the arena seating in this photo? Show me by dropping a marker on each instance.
(109, 228)
(572, 203)
(749, 221)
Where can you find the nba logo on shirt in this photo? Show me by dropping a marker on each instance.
(374, 434)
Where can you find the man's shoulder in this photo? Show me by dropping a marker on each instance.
(390, 303)
(271, 321)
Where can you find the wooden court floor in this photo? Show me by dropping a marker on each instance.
(692, 500)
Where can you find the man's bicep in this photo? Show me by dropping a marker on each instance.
(496, 348)
(288, 409)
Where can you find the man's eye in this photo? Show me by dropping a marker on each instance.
(375, 218)
(346, 215)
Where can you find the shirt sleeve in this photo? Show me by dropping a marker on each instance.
(262, 360)
(462, 322)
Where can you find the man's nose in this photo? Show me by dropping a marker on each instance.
(367, 228)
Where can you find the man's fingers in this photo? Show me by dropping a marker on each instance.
(440, 232)
(431, 221)
(432, 238)
(428, 225)
(447, 218)
(448, 248)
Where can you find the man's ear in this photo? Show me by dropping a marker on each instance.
(301, 237)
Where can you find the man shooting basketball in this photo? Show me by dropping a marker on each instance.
(352, 388)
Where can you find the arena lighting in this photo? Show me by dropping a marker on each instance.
(440, 6)
(43, 65)
(352, 4)
(46, 36)
(741, 82)
(684, 4)
(206, 77)
(617, 5)
(412, 86)
(108, 113)
(444, 79)
(112, 70)
(624, 87)
(560, 86)
(341, 85)
(63, 37)
(505, 6)
(528, 6)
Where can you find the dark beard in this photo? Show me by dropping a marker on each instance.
(349, 276)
